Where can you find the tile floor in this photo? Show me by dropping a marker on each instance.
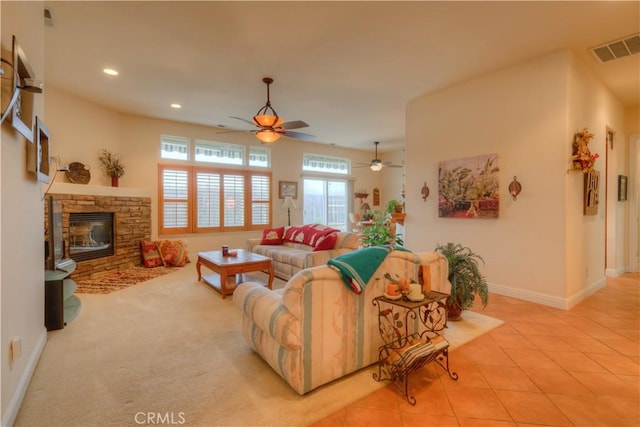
(542, 367)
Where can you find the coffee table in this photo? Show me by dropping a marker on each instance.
(226, 266)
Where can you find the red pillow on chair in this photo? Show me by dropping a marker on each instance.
(326, 242)
(272, 236)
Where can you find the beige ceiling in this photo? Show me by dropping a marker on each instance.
(346, 68)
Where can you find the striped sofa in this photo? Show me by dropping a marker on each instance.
(315, 329)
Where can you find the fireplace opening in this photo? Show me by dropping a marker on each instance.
(90, 235)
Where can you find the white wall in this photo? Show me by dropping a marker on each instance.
(541, 245)
(79, 130)
(21, 224)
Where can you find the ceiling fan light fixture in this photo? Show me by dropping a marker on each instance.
(268, 120)
(267, 136)
(376, 166)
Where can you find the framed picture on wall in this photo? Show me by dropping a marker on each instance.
(288, 189)
(22, 113)
(622, 188)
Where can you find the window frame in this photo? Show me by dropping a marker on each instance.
(192, 199)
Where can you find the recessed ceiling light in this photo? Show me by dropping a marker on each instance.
(110, 71)
(176, 106)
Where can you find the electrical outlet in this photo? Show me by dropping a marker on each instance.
(15, 349)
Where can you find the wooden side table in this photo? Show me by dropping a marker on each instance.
(406, 348)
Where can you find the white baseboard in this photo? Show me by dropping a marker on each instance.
(544, 299)
(9, 416)
(615, 272)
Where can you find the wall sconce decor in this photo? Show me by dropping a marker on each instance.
(515, 188)
(361, 195)
(425, 191)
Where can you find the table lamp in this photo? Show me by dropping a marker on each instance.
(289, 203)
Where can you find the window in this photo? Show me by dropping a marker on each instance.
(174, 147)
(199, 200)
(327, 164)
(218, 152)
(260, 157)
(325, 202)
(178, 148)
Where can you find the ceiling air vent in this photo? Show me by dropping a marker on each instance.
(618, 48)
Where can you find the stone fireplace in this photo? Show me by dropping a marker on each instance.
(87, 221)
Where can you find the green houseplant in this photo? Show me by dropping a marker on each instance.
(465, 277)
(394, 206)
(379, 233)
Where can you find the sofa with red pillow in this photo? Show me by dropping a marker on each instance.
(295, 248)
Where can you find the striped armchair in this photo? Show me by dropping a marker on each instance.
(315, 329)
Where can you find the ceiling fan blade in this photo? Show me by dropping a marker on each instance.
(244, 120)
(297, 124)
(391, 165)
(299, 135)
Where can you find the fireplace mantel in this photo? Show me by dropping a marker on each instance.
(97, 190)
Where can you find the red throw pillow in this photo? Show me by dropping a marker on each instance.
(272, 236)
(151, 254)
(315, 231)
(290, 234)
(326, 242)
(173, 253)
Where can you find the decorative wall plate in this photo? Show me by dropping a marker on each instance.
(78, 173)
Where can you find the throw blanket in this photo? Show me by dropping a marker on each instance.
(357, 267)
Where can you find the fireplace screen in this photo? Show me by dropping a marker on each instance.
(90, 235)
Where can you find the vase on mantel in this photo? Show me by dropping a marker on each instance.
(114, 181)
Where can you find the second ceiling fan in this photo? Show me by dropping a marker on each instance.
(271, 126)
(376, 164)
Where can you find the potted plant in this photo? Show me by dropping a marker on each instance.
(379, 233)
(111, 165)
(394, 206)
(465, 277)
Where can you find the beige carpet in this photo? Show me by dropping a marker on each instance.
(171, 347)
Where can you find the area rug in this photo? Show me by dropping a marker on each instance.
(118, 280)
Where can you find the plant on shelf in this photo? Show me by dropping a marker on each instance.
(379, 233)
(111, 164)
(465, 277)
(368, 215)
(394, 206)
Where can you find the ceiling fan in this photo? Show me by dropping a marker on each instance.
(271, 126)
(376, 164)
